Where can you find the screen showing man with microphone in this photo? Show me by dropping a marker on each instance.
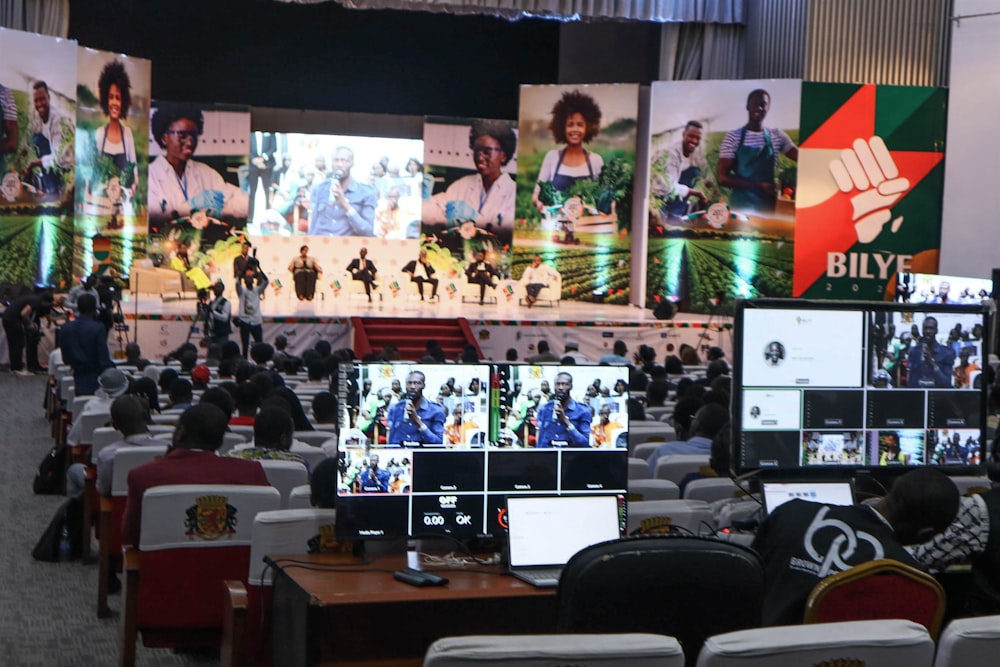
(563, 422)
(930, 363)
(416, 420)
(341, 205)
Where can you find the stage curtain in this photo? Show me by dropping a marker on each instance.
(701, 51)
(678, 11)
(46, 17)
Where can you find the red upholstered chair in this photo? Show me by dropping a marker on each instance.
(111, 511)
(194, 537)
(880, 589)
(282, 532)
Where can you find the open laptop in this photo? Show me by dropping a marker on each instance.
(544, 532)
(828, 493)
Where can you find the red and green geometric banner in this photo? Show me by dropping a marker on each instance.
(870, 185)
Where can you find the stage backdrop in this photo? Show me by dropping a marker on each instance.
(38, 100)
(721, 191)
(112, 152)
(460, 214)
(871, 177)
(576, 213)
(197, 209)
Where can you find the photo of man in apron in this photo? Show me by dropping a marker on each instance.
(748, 158)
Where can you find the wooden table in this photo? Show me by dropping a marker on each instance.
(329, 609)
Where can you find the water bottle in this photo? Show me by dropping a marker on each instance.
(64, 545)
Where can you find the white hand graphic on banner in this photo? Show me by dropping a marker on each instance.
(868, 169)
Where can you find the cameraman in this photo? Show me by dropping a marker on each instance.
(250, 289)
(217, 316)
(108, 294)
(22, 324)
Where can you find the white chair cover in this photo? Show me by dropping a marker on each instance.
(127, 458)
(892, 642)
(285, 476)
(970, 642)
(675, 467)
(660, 516)
(653, 489)
(300, 498)
(637, 468)
(287, 532)
(607, 650)
(711, 489)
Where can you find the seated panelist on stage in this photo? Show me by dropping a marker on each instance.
(537, 277)
(416, 420)
(421, 272)
(363, 269)
(482, 273)
(563, 422)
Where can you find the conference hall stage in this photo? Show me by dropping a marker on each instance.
(160, 325)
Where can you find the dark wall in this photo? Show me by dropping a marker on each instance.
(323, 56)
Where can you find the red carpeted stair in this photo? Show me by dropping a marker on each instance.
(410, 335)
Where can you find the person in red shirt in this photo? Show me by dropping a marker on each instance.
(190, 459)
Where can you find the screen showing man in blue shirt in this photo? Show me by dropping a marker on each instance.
(930, 363)
(341, 206)
(374, 479)
(562, 422)
(416, 420)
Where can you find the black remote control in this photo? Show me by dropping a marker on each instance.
(418, 578)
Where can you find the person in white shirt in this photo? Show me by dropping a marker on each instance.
(535, 278)
(490, 191)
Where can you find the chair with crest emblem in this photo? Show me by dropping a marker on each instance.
(194, 537)
(246, 633)
(848, 644)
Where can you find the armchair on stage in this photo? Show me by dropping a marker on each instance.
(552, 292)
(470, 290)
(145, 278)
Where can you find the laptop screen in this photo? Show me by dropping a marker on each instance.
(828, 493)
(547, 531)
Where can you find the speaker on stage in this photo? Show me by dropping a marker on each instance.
(665, 309)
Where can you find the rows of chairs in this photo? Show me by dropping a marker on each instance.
(969, 642)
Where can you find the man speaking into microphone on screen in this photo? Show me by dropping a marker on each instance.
(930, 363)
(340, 205)
(416, 420)
(562, 422)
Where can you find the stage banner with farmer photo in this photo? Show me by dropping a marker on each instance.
(576, 162)
(37, 171)
(871, 179)
(112, 151)
(722, 192)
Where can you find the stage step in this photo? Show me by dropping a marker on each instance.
(410, 336)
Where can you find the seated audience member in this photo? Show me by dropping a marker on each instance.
(802, 542)
(715, 353)
(200, 377)
(220, 397)
(167, 377)
(689, 355)
(694, 426)
(673, 365)
(111, 384)
(512, 354)
(656, 394)
(299, 417)
(971, 537)
(181, 396)
(469, 355)
(262, 353)
(272, 438)
(572, 350)
(718, 460)
(247, 399)
(715, 369)
(315, 374)
(646, 359)
(544, 355)
(323, 484)
(191, 459)
(145, 388)
(433, 352)
(617, 356)
(188, 359)
(326, 409)
(128, 415)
